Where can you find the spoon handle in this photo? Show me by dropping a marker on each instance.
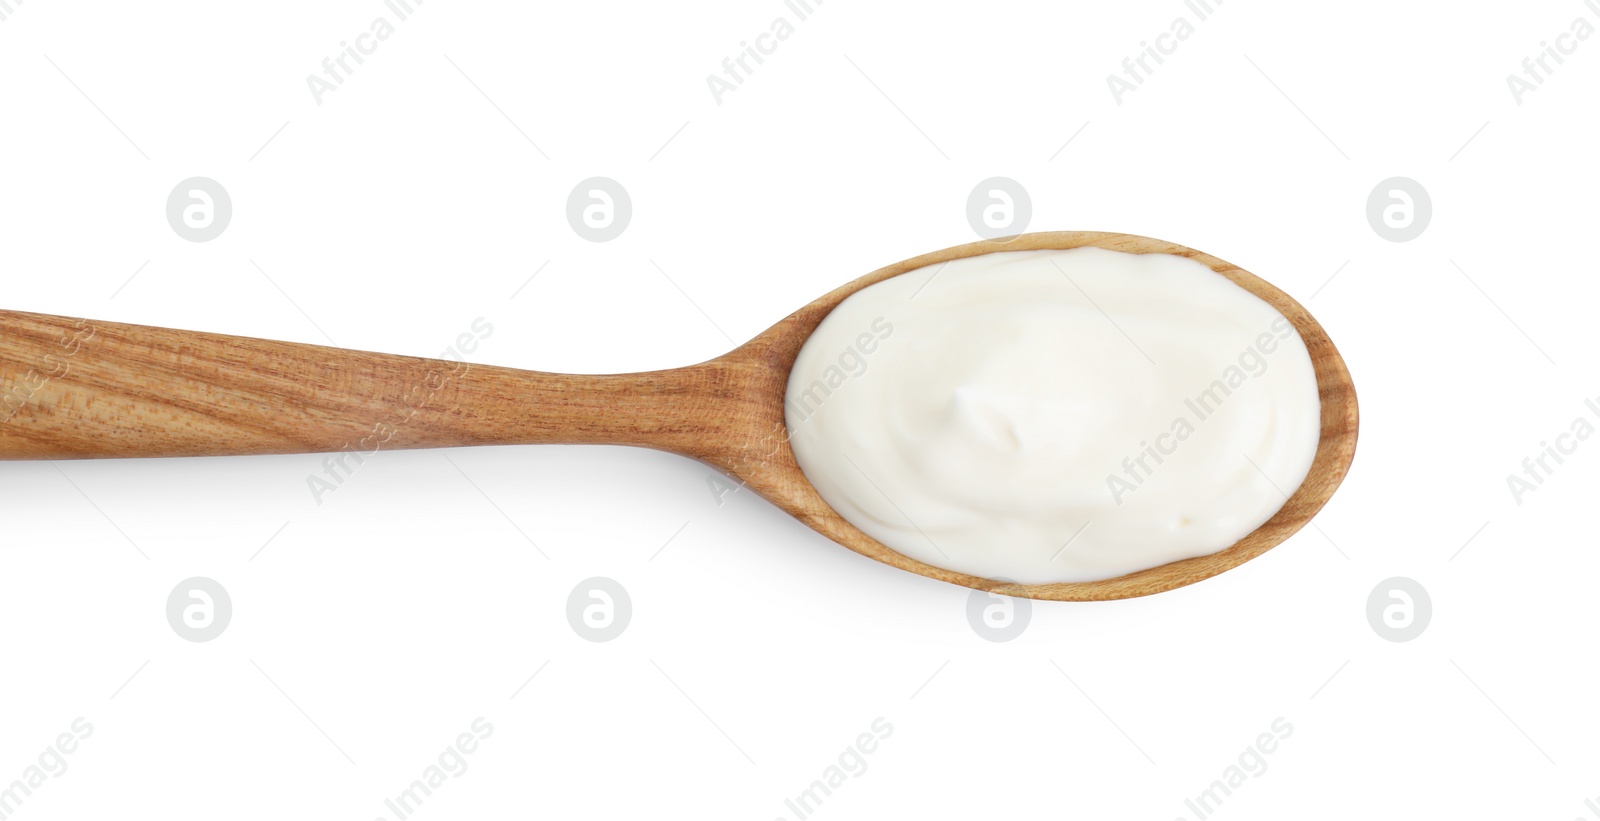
(82, 389)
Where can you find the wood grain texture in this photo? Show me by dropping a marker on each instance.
(73, 389)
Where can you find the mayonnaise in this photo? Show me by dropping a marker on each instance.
(1054, 416)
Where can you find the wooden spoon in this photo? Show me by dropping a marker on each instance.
(76, 389)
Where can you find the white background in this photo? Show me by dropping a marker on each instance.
(374, 628)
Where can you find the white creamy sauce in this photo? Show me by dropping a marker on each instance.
(1055, 416)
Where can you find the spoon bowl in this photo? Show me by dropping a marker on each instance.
(765, 462)
(75, 389)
